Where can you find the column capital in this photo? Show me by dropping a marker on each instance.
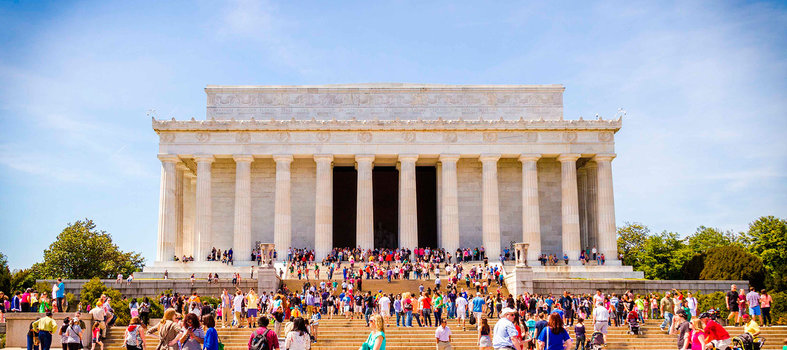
(204, 158)
(489, 157)
(364, 158)
(239, 158)
(529, 157)
(568, 157)
(323, 158)
(604, 157)
(449, 157)
(408, 157)
(282, 158)
(168, 158)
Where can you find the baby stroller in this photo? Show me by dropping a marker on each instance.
(633, 320)
(746, 341)
(596, 341)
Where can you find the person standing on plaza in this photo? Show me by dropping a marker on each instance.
(60, 294)
(753, 300)
(505, 335)
(765, 306)
(45, 326)
(731, 299)
(667, 307)
(237, 309)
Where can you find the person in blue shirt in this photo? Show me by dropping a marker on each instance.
(478, 306)
(554, 336)
(60, 294)
(211, 340)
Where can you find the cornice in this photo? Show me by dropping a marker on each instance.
(383, 125)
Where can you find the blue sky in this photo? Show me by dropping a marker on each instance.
(704, 85)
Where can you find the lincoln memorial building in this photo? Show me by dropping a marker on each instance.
(385, 166)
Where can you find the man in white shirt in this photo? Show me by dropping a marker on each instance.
(443, 336)
(461, 309)
(505, 335)
(98, 315)
(601, 319)
(692, 301)
(385, 307)
(237, 307)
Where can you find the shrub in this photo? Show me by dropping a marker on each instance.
(733, 263)
(92, 291)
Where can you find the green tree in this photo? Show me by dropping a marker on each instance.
(767, 238)
(733, 263)
(25, 278)
(663, 255)
(5, 275)
(82, 252)
(631, 243)
(708, 237)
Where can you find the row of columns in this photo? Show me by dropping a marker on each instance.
(197, 238)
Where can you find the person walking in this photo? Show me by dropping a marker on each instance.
(132, 338)
(484, 339)
(263, 334)
(45, 326)
(579, 333)
(442, 336)
(601, 319)
(505, 335)
(667, 307)
(298, 338)
(554, 336)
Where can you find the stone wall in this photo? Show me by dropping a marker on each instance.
(636, 286)
(263, 188)
(549, 202)
(468, 179)
(151, 288)
(304, 182)
(509, 177)
(223, 193)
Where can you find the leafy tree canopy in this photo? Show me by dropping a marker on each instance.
(733, 263)
(767, 238)
(707, 237)
(5, 274)
(82, 252)
(631, 242)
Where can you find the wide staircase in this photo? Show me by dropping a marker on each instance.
(393, 287)
(342, 334)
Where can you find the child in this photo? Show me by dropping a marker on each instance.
(97, 336)
(579, 333)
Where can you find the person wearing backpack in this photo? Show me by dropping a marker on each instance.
(133, 339)
(263, 338)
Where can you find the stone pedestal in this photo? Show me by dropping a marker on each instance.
(267, 279)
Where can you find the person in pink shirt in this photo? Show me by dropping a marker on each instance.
(765, 307)
(697, 334)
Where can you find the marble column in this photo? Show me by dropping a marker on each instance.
(167, 219)
(582, 182)
(592, 201)
(282, 219)
(450, 203)
(323, 208)
(408, 203)
(203, 207)
(241, 243)
(180, 170)
(364, 224)
(189, 181)
(570, 206)
(531, 220)
(606, 209)
(490, 210)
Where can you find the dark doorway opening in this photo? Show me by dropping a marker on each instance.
(345, 187)
(426, 195)
(385, 190)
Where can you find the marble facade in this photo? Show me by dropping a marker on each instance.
(510, 168)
